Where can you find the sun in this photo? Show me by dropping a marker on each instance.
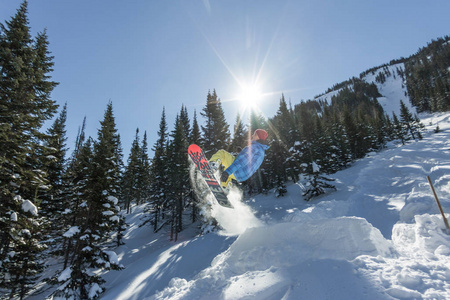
(250, 95)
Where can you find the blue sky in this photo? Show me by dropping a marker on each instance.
(145, 55)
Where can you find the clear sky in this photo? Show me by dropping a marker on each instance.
(144, 55)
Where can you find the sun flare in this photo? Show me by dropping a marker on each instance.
(250, 95)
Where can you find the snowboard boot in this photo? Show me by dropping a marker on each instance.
(215, 165)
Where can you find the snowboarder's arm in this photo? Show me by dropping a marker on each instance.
(246, 163)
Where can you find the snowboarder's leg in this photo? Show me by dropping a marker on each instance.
(226, 159)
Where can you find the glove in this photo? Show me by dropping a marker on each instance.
(224, 176)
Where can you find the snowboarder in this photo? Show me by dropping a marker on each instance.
(246, 163)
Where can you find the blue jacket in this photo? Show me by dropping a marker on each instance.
(248, 161)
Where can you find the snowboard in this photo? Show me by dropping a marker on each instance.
(202, 164)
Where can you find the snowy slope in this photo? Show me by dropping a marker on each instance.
(379, 236)
(392, 90)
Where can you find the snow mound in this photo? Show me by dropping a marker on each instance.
(285, 244)
(422, 269)
(261, 257)
(428, 233)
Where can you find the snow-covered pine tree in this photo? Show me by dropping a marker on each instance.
(388, 128)
(317, 183)
(283, 133)
(52, 203)
(25, 90)
(399, 131)
(78, 174)
(107, 173)
(379, 126)
(96, 217)
(215, 133)
(351, 132)
(74, 175)
(331, 135)
(411, 124)
(274, 166)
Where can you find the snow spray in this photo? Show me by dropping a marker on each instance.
(233, 221)
(238, 219)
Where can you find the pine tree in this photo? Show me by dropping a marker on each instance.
(256, 181)
(284, 125)
(77, 175)
(25, 105)
(185, 123)
(411, 124)
(178, 176)
(215, 132)
(52, 204)
(257, 120)
(194, 139)
(284, 133)
(351, 132)
(144, 172)
(389, 128)
(158, 169)
(240, 136)
(317, 183)
(106, 174)
(136, 179)
(97, 217)
(130, 185)
(195, 132)
(399, 131)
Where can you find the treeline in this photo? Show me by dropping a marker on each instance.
(317, 138)
(428, 77)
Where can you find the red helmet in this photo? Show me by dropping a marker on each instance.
(262, 134)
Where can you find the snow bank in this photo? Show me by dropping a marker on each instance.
(422, 269)
(426, 237)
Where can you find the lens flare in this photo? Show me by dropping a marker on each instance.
(250, 95)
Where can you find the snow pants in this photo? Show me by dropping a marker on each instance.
(226, 159)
